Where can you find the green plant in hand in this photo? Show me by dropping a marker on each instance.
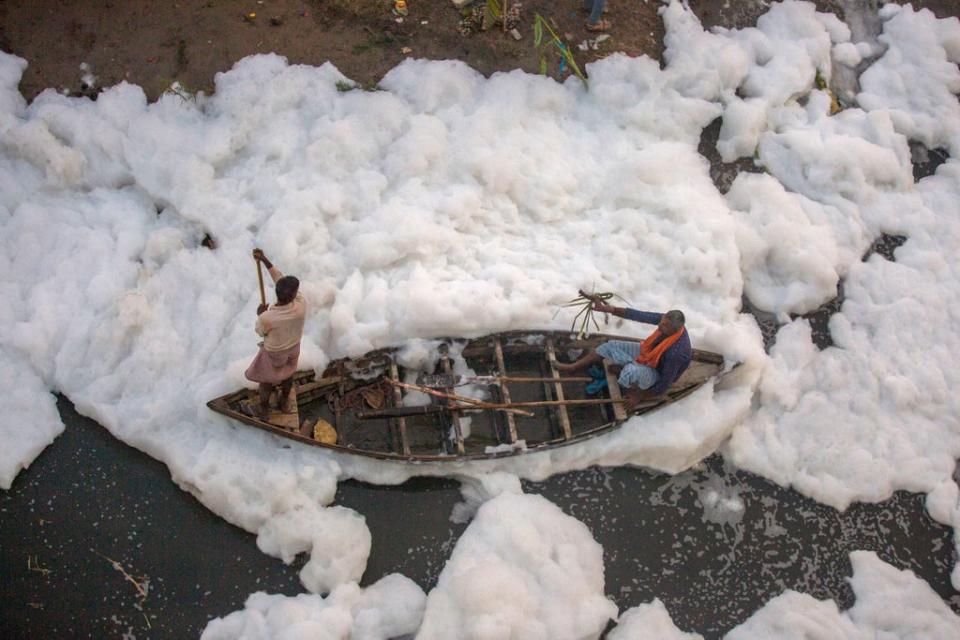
(584, 318)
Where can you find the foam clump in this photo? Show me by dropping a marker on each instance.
(390, 608)
(477, 490)
(30, 421)
(754, 71)
(341, 536)
(875, 412)
(790, 251)
(916, 79)
(522, 569)
(649, 620)
(889, 603)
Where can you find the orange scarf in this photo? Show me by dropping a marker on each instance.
(650, 355)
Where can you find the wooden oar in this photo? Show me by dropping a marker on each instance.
(452, 396)
(407, 411)
(404, 412)
(550, 403)
(263, 295)
(444, 381)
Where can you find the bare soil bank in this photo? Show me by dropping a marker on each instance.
(152, 43)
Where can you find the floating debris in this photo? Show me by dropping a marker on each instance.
(142, 585)
(33, 564)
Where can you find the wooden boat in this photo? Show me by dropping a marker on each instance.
(527, 406)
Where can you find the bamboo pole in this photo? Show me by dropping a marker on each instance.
(551, 355)
(263, 295)
(511, 407)
(452, 396)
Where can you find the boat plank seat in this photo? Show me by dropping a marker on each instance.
(454, 415)
(401, 422)
(527, 364)
(613, 386)
(504, 391)
(558, 388)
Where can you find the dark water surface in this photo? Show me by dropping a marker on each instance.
(713, 543)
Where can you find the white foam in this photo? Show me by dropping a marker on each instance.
(649, 620)
(752, 71)
(390, 608)
(889, 603)
(876, 412)
(30, 420)
(522, 569)
(916, 79)
(420, 211)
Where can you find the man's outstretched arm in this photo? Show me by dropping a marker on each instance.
(630, 314)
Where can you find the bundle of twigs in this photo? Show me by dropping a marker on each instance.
(584, 318)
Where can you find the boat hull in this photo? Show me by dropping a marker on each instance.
(534, 409)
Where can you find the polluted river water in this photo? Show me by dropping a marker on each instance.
(712, 543)
(824, 217)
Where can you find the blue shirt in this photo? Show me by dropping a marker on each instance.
(674, 361)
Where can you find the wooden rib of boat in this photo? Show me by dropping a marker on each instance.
(515, 403)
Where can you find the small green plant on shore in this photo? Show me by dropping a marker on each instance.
(181, 90)
(385, 40)
(539, 24)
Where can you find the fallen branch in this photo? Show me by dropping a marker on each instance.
(140, 585)
(33, 564)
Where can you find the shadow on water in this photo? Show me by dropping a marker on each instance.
(713, 543)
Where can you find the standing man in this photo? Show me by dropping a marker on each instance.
(648, 368)
(281, 326)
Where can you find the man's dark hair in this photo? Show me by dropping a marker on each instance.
(287, 288)
(676, 318)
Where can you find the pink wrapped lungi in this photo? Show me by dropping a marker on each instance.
(273, 367)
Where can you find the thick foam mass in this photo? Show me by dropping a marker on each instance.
(522, 569)
(406, 213)
(420, 211)
(889, 603)
(390, 608)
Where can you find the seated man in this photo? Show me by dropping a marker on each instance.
(648, 368)
(281, 327)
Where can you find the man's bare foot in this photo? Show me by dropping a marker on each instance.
(254, 410)
(600, 25)
(634, 398)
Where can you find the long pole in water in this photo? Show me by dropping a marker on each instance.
(263, 296)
